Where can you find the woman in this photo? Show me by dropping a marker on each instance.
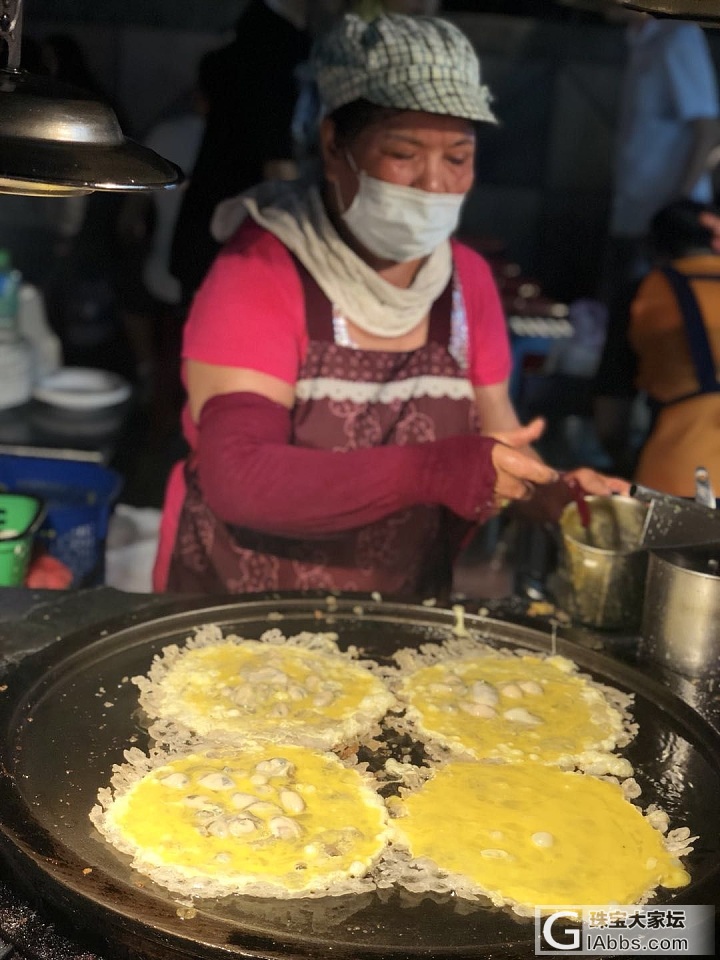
(346, 363)
(675, 334)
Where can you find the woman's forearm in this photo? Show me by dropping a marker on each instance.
(252, 476)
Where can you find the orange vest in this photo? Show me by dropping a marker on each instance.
(686, 430)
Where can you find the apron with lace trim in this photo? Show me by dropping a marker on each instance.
(348, 398)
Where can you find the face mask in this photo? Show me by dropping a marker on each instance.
(401, 223)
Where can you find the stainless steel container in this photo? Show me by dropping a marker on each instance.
(681, 612)
(601, 573)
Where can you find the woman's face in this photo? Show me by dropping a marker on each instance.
(421, 150)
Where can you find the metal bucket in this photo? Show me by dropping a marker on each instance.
(601, 573)
(681, 613)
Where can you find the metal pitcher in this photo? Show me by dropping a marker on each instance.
(681, 613)
(602, 568)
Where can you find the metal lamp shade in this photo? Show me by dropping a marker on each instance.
(57, 140)
(703, 11)
(700, 10)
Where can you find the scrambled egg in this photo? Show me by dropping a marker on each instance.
(511, 708)
(280, 816)
(265, 690)
(290, 817)
(532, 834)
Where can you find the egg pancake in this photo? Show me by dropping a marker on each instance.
(527, 834)
(266, 819)
(299, 690)
(512, 707)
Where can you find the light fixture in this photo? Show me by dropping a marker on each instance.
(58, 140)
(703, 11)
(700, 10)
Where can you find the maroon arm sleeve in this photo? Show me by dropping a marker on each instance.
(252, 476)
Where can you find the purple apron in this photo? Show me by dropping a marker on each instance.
(346, 399)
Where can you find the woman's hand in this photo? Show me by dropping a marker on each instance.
(549, 501)
(518, 473)
(522, 475)
(550, 496)
(513, 458)
(522, 437)
(592, 482)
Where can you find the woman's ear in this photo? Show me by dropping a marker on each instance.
(331, 154)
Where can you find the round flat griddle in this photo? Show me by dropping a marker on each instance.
(68, 713)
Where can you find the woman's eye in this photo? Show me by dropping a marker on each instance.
(458, 161)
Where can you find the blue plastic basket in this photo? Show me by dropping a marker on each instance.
(79, 498)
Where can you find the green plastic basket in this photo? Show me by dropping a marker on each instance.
(20, 518)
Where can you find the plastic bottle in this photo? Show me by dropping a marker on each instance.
(16, 355)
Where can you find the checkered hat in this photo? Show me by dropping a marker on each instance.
(412, 63)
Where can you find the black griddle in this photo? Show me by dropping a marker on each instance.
(69, 712)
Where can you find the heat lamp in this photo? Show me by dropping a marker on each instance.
(59, 140)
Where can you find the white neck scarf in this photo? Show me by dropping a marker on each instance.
(296, 215)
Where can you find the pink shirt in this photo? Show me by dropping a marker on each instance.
(250, 312)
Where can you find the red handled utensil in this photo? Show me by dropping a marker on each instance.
(583, 507)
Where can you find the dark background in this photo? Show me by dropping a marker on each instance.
(554, 68)
(221, 13)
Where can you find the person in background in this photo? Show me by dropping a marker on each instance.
(152, 307)
(251, 91)
(667, 129)
(675, 335)
(64, 59)
(178, 137)
(89, 272)
(346, 361)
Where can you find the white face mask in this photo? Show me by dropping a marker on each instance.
(401, 223)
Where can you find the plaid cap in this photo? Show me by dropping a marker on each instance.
(411, 63)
